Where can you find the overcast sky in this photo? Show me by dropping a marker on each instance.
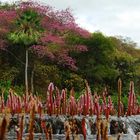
(112, 17)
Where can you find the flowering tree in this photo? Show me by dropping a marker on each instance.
(42, 30)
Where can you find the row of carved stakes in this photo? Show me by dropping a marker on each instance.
(61, 103)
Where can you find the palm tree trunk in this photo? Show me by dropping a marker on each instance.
(32, 81)
(26, 72)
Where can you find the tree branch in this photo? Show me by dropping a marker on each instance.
(15, 57)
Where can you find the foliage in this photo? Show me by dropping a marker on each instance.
(28, 28)
(126, 61)
(8, 73)
(4, 88)
(96, 65)
(54, 41)
(138, 99)
(19, 90)
(123, 98)
(74, 81)
(42, 31)
(44, 74)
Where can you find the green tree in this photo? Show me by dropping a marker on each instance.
(126, 60)
(96, 65)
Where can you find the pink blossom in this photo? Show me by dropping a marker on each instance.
(57, 25)
(52, 38)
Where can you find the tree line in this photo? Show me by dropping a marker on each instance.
(39, 45)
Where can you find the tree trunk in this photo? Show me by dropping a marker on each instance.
(26, 73)
(119, 96)
(32, 81)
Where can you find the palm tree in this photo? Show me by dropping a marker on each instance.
(26, 33)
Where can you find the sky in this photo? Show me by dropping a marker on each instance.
(111, 17)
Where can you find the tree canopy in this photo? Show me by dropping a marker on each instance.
(61, 52)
